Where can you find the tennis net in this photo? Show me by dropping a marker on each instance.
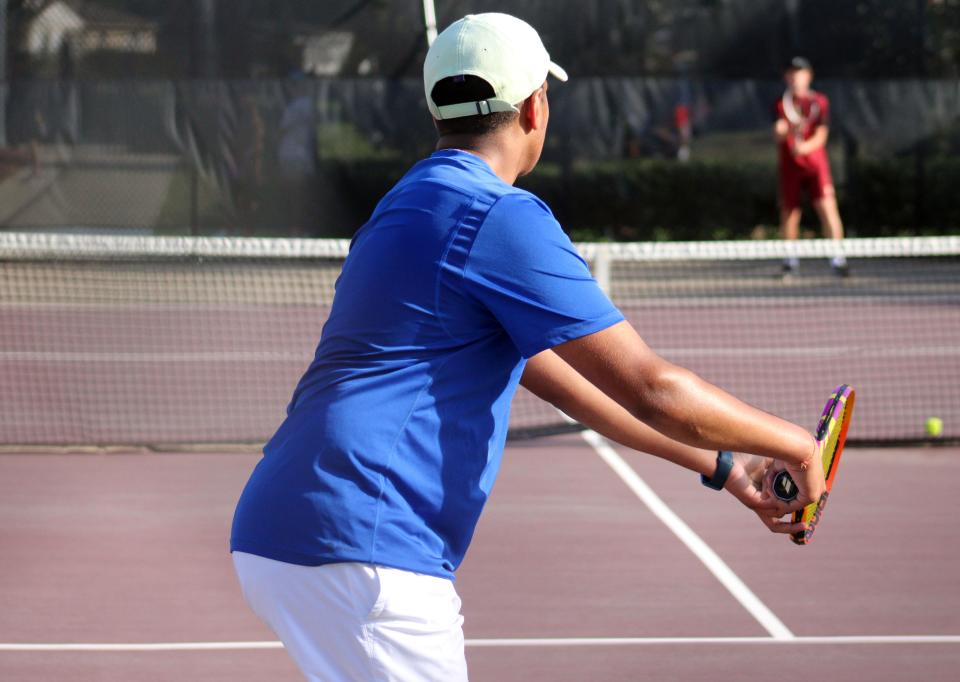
(162, 340)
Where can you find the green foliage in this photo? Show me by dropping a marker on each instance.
(942, 210)
(908, 195)
(659, 200)
(343, 141)
(638, 200)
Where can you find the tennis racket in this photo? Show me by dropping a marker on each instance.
(794, 114)
(832, 435)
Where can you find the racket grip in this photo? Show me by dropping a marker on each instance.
(784, 487)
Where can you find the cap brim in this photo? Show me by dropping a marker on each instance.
(557, 72)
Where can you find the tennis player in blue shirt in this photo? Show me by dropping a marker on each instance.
(460, 286)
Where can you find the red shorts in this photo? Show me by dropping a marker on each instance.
(813, 176)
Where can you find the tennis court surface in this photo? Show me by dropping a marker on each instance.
(138, 374)
(116, 568)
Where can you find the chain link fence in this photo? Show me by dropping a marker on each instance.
(283, 118)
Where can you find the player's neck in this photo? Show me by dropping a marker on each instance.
(503, 156)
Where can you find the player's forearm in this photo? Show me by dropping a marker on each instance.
(627, 430)
(684, 407)
(675, 401)
(817, 140)
(610, 420)
(553, 380)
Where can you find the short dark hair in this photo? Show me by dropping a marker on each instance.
(459, 89)
(799, 64)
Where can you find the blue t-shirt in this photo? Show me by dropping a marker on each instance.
(394, 435)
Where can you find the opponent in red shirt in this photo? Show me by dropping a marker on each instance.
(802, 128)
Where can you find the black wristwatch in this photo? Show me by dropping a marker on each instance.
(724, 465)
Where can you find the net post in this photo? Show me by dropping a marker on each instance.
(601, 267)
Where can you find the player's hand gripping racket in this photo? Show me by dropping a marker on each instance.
(831, 434)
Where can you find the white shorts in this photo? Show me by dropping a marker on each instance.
(358, 622)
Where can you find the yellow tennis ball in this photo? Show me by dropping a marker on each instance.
(934, 427)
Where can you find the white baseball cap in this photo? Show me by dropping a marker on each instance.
(504, 51)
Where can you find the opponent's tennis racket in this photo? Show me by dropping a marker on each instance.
(795, 117)
(832, 435)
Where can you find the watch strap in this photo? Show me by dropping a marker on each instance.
(719, 478)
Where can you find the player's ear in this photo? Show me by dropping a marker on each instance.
(528, 114)
(531, 115)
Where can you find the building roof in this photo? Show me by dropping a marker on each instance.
(58, 21)
(95, 13)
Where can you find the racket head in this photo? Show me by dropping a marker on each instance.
(832, 434)
(789, 109)
(795, 116)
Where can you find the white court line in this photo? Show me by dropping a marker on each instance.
(700, 549)
(516, 643)
(150, 356)
(649, 641)
(859, 351)
(146, 646)
(759, 300)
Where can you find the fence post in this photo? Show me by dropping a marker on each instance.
(4, 30)
(430, 21)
